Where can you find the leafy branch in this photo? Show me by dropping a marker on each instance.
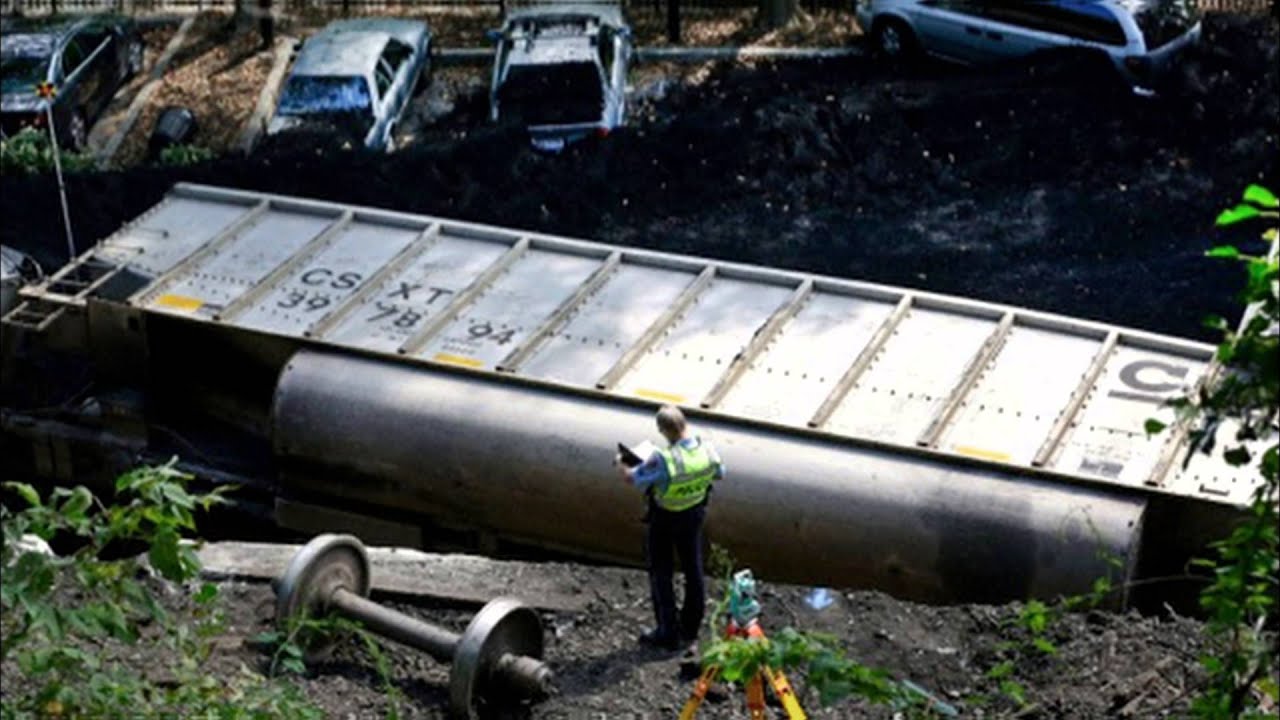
(1243, 596)
(65, 618)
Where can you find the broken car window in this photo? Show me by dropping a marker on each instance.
(305, 95)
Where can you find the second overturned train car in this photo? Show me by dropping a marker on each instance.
(437, 383)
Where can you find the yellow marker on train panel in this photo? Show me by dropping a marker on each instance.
(659, 395)
(458, 360)
(981, 453)
(179, 302)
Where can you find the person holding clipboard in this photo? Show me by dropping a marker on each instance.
(677, 481)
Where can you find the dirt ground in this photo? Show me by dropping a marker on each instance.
(1106, 665)
(218, 73)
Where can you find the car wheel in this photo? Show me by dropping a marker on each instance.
(893, 39)
(135, 58)
(77, 131)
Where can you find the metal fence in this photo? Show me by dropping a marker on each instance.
(365, 7)
(355, 6)
(1248, 7)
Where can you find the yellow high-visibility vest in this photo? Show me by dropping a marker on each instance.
(691, 471)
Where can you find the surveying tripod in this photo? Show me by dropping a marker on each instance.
(744, 622)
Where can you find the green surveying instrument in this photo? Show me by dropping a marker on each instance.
(744, 621)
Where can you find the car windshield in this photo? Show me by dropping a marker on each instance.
(21, 73)
(308, 95)
(556, 94)
(1162, 21)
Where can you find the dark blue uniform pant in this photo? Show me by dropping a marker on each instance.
(681, 532)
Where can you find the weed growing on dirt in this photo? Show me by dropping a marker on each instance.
(29, 153)
(184, 155)
(1032, 630)
(66, 620)
(288, 650)
(1243, 597)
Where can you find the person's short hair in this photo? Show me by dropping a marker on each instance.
(670, 420)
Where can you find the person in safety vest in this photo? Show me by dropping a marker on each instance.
(677, 481)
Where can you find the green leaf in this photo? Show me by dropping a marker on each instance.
(1260, 196)
(269, 637)
(1236, 214)
(164, 554)
(1153, 426)
(1044, 646)
(46, 616)
(1214, 322)
(208, 592)
(77, 503)
(27, 492)
(1224, 251)
(1015, 691)
(1001, 670)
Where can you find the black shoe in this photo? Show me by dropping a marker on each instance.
(659, 639)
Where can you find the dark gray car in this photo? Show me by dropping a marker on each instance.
(86, 60)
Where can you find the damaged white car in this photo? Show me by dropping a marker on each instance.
(561, 70)
(354, 80)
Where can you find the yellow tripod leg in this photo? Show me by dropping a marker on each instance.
(755, 698)
(699, 693)
(787, 696)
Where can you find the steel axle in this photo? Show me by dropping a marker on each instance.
(499, 650)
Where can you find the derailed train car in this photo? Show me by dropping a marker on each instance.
(440, 383)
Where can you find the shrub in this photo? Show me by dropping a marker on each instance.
(65, 621)
(1243, 597)
(183, 155)
(29, 153)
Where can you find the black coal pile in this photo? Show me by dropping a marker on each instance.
(1044, 183)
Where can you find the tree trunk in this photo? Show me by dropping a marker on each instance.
(776, 13)
(240, 15)
(266, 23)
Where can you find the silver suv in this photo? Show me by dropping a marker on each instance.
(561, 70)
(1141, 37)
